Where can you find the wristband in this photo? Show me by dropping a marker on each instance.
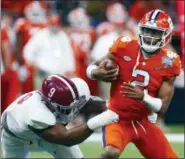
(152, 103)
(90, 69)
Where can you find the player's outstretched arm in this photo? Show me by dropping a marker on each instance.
(98, 69)
(58, 134)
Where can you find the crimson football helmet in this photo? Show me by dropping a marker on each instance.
(65, 97)
(155, 30)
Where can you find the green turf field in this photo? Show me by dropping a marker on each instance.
(92, 150)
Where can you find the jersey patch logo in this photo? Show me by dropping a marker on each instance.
(127, 58)
(167, 61)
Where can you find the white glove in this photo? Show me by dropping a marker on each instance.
(105, 118)
(153, 117)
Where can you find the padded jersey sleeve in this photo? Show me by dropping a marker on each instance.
(113, 49)
(39, 116)
(41, 119)
(121, 42)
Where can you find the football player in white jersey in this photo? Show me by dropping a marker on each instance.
(38, 119)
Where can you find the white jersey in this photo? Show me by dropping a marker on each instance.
(28, 110)
(49, 52)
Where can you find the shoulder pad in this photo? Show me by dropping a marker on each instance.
(121, 42)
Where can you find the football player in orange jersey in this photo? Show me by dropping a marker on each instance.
(35, 19)
(144, 85)
(83, 37)
(10, 86)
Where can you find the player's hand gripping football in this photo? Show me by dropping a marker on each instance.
(132, 91)
(107, 71)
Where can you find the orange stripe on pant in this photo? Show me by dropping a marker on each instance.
(148, 138)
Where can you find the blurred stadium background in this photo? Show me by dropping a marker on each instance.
(82, 32)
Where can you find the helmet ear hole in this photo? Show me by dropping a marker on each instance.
(48, 82)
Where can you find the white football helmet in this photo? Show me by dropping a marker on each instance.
(35, 12)
(116, 13)
(78, 18)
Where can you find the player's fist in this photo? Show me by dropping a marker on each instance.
(107, 71)
(103, 119)
(110, 64)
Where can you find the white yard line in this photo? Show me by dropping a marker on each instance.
(178, 138)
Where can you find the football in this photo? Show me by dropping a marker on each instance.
(111, 64)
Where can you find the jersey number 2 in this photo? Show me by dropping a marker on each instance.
(145, 74)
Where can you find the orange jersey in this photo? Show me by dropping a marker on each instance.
(148, 74)
(27, 29)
